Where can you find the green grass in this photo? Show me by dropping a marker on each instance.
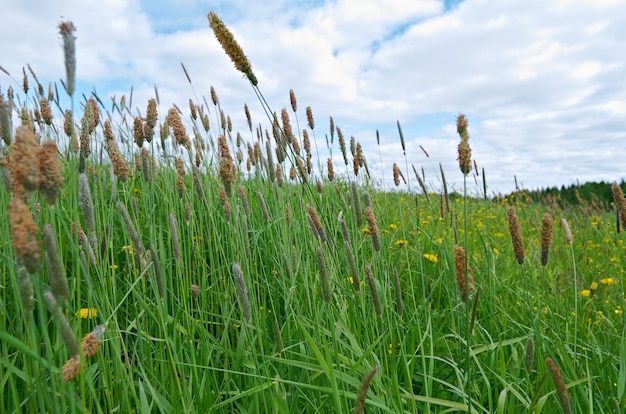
(177, 353)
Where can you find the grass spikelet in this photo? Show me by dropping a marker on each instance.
(146, 165)
(86, 206)
(316, 222)
(50, 179)
(151, 119)
(25, 287)
(266, 214)
(62, 324)
(196, 183)
(158, 275)
(242, 293)
(91, 342)
(373, 228)
(70, 369)
(241, 191)
(516, 236)
(396, 174)
(371, 283)
(279, 175)
(66, 30)
(293, 100)
(620, 203)
(277, 336)
(342, 145)
(465, 286)
(283, 257)
(309, 118)
(325, 283)
(227, 169)
(24, 235)
(312, 227)
(566, 230)
(54, 264)
(5, 121)
(362, 394)
(559, 384)
(529, 356)
(231, 47)
(117, 160)
(331, 171)
(133, 234)
(175, 239)
(24, 163)
(546, 238)
(138, 132)
(401, 137)
(464, 150)
(178, 129)
(46, 112)
(224, 202)
(398, 288)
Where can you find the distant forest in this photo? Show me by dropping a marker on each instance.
(598, 193)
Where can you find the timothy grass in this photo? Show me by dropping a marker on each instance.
(246, 309)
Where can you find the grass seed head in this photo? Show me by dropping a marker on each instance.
(566, 230)
(465, 286)
(231, 47)
(24, 162)
(373, 228)
(24, 235)
(620, 202)
(559, 383)
(54, 264)
(546, 238)
(71, 369)
(66, 30)
(516, 236)
(51, 181)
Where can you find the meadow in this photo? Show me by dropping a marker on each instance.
(166, 263)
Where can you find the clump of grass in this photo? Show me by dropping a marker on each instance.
(620, 203)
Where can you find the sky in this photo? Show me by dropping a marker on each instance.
(542, 83)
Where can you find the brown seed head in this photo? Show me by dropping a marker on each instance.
(292, 100)
(331, 171)
(178, 129)
(546, 238)
(516, 236)
(71, 369)
(90, 345)
(24, 235)
(224, 202)
(559, 384)
(620, 202)
(68, 123)
(373, 228)
(231, 47)
(396, 174)
(24, 163)
(46, 112)
(460, 263)
(117, 160)
(66, 30)
(309, 117)
(51, 181)
(362, 394)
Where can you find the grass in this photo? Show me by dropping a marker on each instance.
(310, 340)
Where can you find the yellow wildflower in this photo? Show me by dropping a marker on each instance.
(608, 281)
(393, 226)
(585, 293)
(594, 286)
(365, 230)
(87, 313)
(431, 257)
(401, 243)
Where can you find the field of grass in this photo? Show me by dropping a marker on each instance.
(218, 273)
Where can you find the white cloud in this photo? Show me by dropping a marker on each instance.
(541, 82)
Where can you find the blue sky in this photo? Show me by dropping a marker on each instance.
(541, 82)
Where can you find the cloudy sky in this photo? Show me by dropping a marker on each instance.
(543, 83)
